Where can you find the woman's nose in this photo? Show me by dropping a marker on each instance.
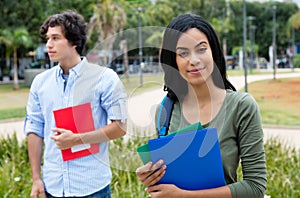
(194, 59)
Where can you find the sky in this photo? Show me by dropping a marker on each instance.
(296, 1)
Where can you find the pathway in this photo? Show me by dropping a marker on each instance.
(141, 109)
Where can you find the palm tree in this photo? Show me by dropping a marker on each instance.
(107, 20)
(292, 25)
(295, 20)
(14, 39)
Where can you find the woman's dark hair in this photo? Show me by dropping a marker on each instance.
(73, 26)
(174, 83)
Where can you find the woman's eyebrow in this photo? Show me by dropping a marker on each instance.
(181, 48)
(200, 43)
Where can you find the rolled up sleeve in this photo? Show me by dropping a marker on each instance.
(34, 120)
(114, 98)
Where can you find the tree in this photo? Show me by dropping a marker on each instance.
(263, 21)
(294, 21)
(14, 39)
(108, 18)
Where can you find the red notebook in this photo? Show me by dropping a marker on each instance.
(78, 119)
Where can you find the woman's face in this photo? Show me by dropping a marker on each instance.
(194, 57)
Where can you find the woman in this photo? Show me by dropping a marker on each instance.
(195, 77)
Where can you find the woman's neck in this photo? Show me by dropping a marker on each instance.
(203, 103)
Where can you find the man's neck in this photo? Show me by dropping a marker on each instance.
(69, 64)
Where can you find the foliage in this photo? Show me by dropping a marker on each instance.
(283, 164)
(263, 21)
(295, 20)
(108, 18)
(297, 61)
(15, 171)
(14, 39)
(31, 14)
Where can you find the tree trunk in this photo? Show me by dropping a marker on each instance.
(15, 69)
(123, 48)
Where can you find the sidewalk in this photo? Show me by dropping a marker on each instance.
(141, 111)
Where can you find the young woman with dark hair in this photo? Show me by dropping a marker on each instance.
(195, 77)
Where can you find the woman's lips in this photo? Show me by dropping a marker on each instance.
(196, 71)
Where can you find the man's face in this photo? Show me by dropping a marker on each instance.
(59, 48)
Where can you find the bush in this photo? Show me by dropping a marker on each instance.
(297, 61)
(15, 180)
(283, 165)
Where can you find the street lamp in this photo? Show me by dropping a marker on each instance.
(244, 46)
(274, 41)
(139, 9)
(252, 42)
(293, 47)
(251, 18)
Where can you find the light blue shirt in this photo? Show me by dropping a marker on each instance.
(87, 82)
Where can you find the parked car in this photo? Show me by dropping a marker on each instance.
(282, 62)
(230, 62)
(118, 68)
(263, 63)
(1, 77)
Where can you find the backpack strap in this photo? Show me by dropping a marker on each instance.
(164, 116)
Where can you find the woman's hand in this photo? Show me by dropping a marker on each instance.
(164, 191)
(149, 174)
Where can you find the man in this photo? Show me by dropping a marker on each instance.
(72, 82)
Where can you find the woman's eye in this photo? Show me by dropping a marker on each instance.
(201, 49)
(183, 54)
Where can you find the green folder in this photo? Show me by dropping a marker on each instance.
(144, 151)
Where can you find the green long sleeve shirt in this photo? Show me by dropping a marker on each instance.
(241, 140)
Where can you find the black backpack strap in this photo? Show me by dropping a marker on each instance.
(164, 116)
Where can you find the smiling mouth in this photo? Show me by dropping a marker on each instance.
(195, 71)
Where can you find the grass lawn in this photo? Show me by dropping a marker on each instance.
(279, 101)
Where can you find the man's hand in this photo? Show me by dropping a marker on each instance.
(65, 139)
(37, 189)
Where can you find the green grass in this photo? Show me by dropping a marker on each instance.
(240, 72)
(9, 87)
(13, 103)
(18, 112)
(283, 165)
(278, 101)
(133, 84)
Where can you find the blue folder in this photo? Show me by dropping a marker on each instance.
(193, 159)
(144, 152)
